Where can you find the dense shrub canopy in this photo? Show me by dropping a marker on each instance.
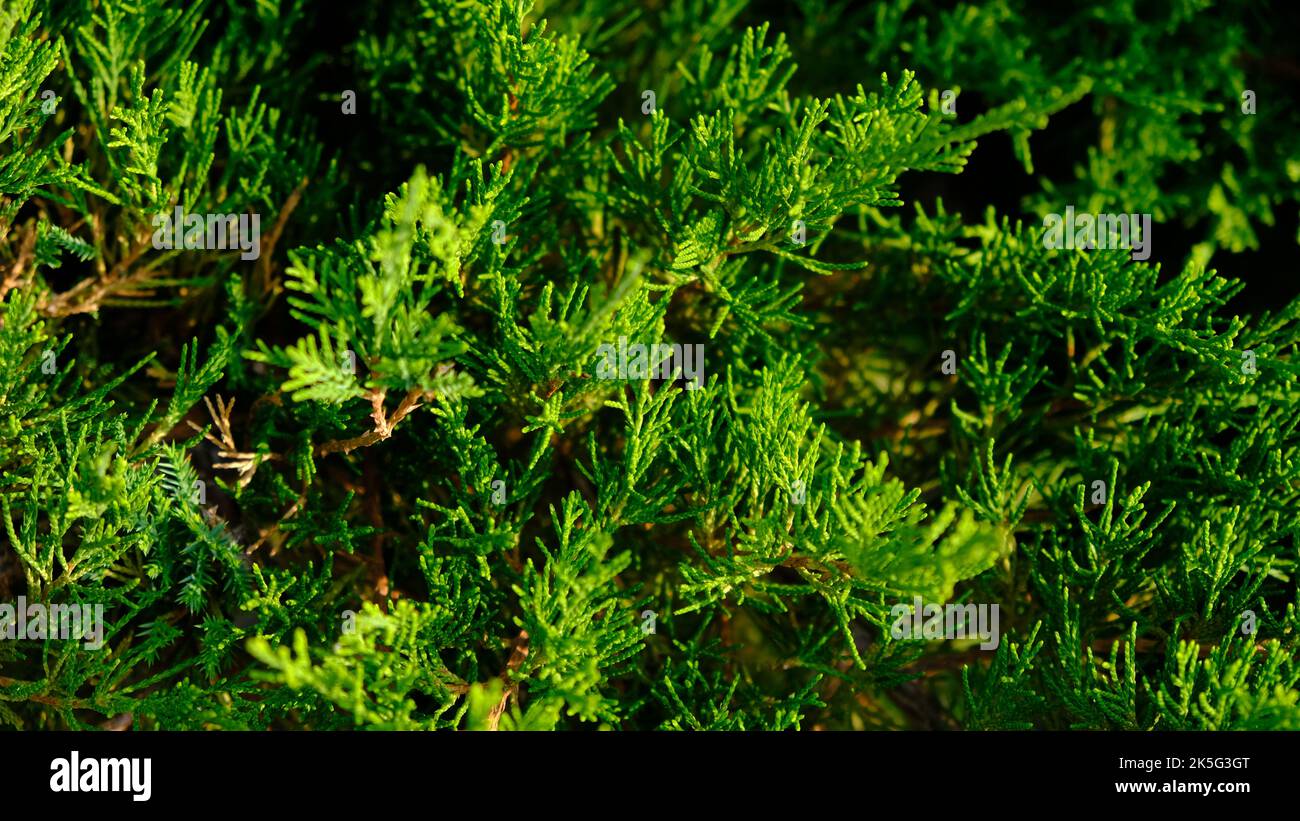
(328, 365)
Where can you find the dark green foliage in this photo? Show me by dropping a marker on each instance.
(379, 476)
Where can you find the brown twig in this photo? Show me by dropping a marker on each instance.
(375, 512)
(87, 295)
(263, 270)
(383, 426)
(243, 462)
(517, 657)
(26, 252)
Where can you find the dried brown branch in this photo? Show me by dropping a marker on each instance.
(89, 294)
(265, 285)
(383, 425)
(244, 462)
(26, 253)
(517, 657)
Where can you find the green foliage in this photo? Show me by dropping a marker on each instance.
(382, 476)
